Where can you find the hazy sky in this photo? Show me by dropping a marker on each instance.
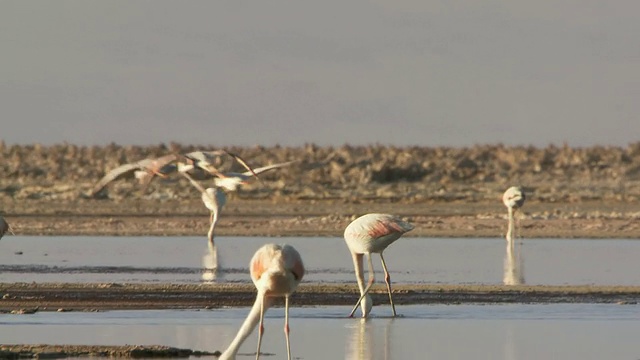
(327, 72)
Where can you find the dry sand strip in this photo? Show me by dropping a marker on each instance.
(43, 351)
(28, 298)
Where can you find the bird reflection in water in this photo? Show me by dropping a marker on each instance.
(212, 269)
(361, 345)
(513, 265)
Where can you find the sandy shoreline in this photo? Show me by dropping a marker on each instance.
(28, 298)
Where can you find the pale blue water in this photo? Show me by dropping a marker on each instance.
(410, 260)
(509, 332)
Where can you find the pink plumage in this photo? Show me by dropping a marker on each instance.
(372, 233)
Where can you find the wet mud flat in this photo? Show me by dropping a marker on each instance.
(24, 298)
(270, 218)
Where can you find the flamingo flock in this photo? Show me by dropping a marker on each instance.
(276, 270)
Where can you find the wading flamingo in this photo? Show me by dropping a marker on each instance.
(4, 227)
(214, 199)
(513, 199)
(372, 233)
(276, 271)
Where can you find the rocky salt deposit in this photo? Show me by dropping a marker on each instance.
(350, 173)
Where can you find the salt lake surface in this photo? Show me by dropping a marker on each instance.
(410, 260)
(469, 331)
(509, 332)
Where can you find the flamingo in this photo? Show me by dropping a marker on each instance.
(372, 233)
(205, 159)
(4, 227)
(276, 270)
(214, 199)
(513, 199)
(230, 181)
(146, 169)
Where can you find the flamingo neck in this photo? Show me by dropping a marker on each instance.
(246, 329)
(214, 222)
(358, 266)
(365, 304)
(510, 228)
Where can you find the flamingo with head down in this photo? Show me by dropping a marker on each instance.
(372, 233)
(276, 271)
(513, 199)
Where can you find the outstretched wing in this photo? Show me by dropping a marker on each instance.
(204, 160)
(243, 163)
(113, 175)
(269, 167)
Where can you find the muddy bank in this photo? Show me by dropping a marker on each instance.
(43, 351)
(28, 298)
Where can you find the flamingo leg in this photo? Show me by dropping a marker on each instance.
(366, 290)
(387, 279)
(286, 325)
(261, 326)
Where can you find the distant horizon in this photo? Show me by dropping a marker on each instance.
(169, 143)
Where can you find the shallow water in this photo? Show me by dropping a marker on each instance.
(510, 332)
(410, 260)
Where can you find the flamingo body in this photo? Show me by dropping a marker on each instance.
(372, 233)
(276, 271)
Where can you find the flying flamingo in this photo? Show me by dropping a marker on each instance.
(204, 160)
(230, 181)
(4, 227)
(276, 270)
(513, 199)
(372, 233)
(146, 170)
